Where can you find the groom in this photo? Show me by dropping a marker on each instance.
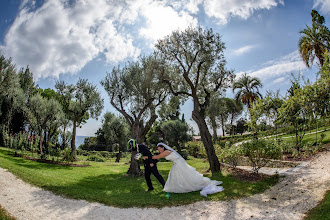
(149, 164)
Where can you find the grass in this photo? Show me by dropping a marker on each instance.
(308, 137)
(108, 183)
(321, 211)
(4, 215)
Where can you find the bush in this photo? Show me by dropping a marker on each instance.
(260, 152)
(230, 154)
(105, 154)
(94, 158)
(196, 149)
(66, 155)
(82, 152)
(184, 154)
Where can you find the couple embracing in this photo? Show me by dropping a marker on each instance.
(182, 178)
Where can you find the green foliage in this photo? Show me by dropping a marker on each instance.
(67, 156)
(260, 151)
(314, 40)
(196, 59)
(95, 158)
(184, 153)
(175, 133)
(80, 102)
(248, 89)
(294, 111)
(196, 149)
(115, 131)
(230, 154)
(136, 91)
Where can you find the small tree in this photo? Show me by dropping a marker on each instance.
(175, 133)
(43, 112)
(80, 102)
(115, 131)
(293, 111)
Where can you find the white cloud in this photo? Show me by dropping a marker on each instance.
(60, 38)
(224, 9)
(162, 19)
(243, 50)
(324, 5)
(192, 6)
(279, 80)
(279, 68)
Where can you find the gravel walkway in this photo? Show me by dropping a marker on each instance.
(301, 189)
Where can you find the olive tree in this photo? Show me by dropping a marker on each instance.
(43, 114)
(135, 91)
(196, 57)
(80, 102)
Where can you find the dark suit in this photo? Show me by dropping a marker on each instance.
(147, 169)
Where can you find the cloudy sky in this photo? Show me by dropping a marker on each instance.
(72, 39)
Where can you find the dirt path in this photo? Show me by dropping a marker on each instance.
(301, 189)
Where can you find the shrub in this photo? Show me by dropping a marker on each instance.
(196, 149)
(231, 154)
(82, 152)
(184, 154)
(66, 155)
(55, 152)
(94, 158)
(260, 152)
(105, 154)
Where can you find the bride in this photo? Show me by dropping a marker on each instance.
(184, 178)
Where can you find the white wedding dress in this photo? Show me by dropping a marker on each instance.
(184, 178)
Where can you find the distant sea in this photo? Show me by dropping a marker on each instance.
(80, 140)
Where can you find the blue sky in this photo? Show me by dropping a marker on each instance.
(72, 39)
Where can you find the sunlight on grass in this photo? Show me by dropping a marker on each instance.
(108, 183)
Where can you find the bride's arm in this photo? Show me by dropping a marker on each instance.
(164, 154)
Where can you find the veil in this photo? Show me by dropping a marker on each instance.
(170, 149)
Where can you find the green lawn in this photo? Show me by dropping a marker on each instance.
(327, 129)
(309, 137)
(107, 182)
(321, 211)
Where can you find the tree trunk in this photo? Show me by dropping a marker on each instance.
(207, 141)
(40, 141)
(214, 129)
(73, 140)
(296, 131)
(134, 169)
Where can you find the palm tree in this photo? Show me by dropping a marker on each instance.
(315, 40)
(248, 89)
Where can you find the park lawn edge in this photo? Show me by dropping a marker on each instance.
(321, 211)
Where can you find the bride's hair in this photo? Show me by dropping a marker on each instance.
(160, 145)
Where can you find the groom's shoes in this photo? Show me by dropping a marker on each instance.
(149, 190)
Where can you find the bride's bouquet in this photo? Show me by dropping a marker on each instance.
(138, 156)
